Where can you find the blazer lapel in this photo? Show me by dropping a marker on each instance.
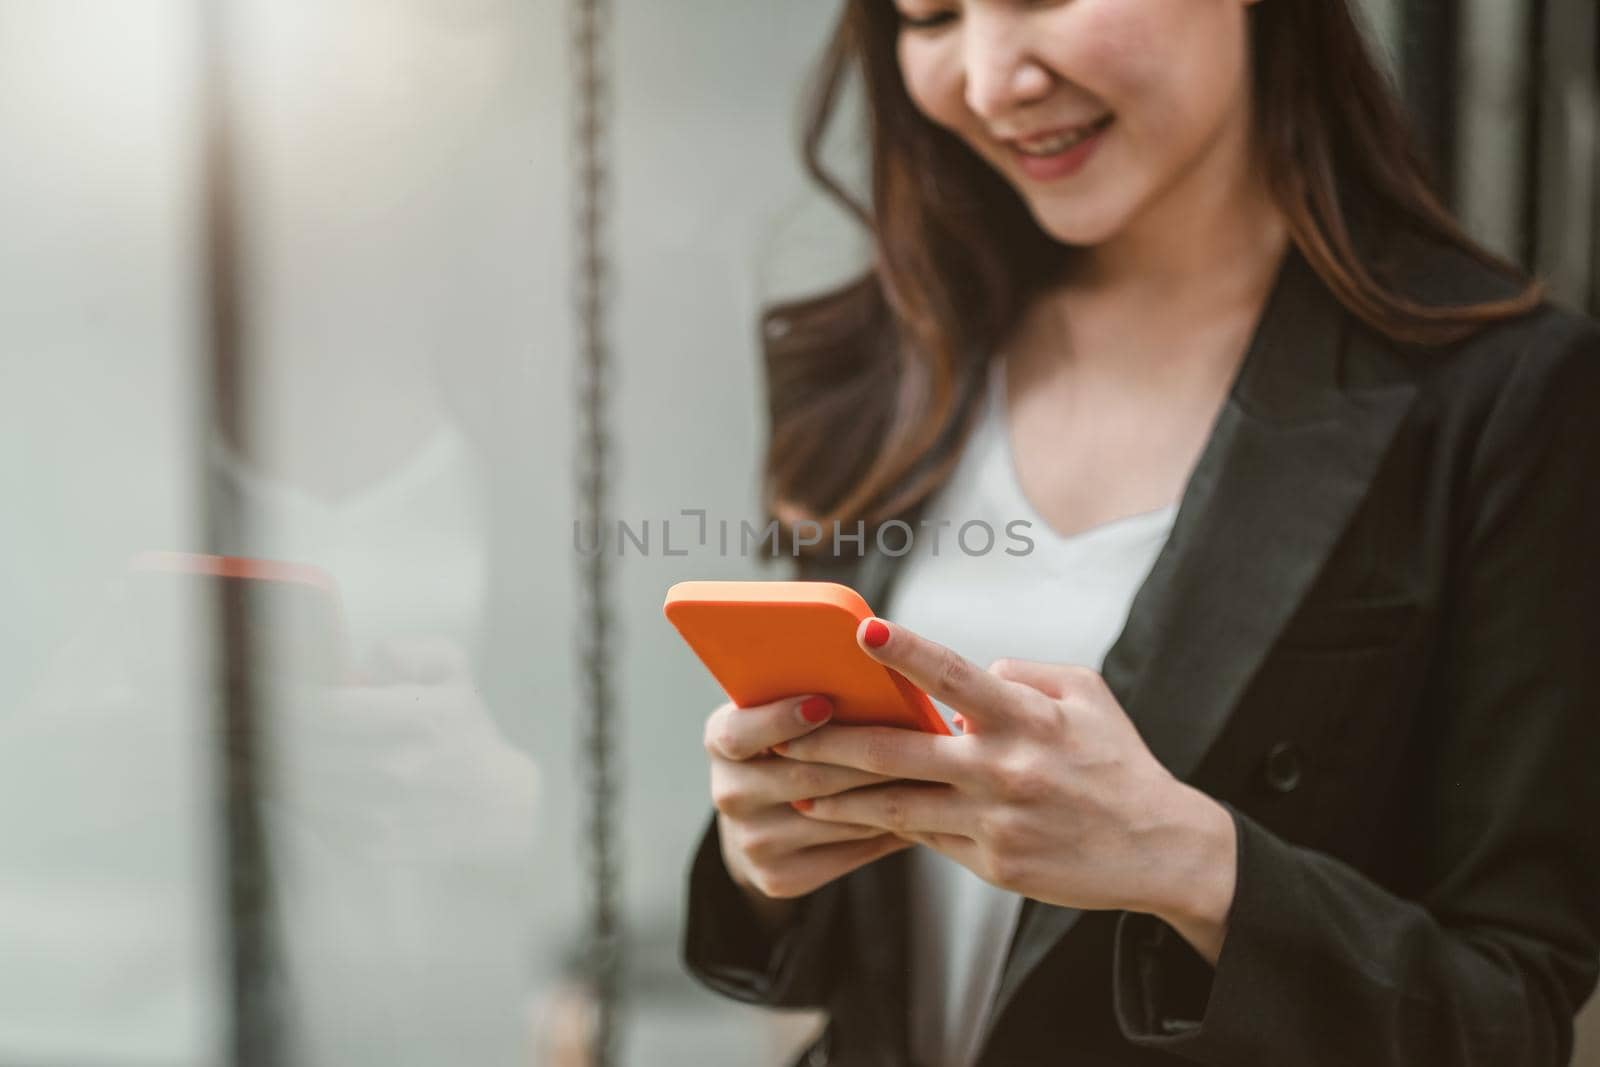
(1290, 457)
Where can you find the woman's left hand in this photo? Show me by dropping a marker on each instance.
(1050, 792)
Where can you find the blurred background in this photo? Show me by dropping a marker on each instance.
(343, 329)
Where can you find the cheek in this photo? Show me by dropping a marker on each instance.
(1166, 67)
(929, 82)
(1122, 47)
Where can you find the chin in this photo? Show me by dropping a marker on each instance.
(1077, 227)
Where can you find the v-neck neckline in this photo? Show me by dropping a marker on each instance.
(999, 426)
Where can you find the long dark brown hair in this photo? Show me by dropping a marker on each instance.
(869, 384)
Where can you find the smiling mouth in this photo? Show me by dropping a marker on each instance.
(1056, 143)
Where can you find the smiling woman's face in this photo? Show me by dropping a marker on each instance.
(1171, 77)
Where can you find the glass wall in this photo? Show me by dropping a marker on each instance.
(110, 952)
(397, 423)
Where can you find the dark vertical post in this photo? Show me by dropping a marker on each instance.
(254, 1030)
(1430, 47)
(1594, 216)
(1533, 121)
(591, 277)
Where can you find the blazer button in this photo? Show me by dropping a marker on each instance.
(1283, 767)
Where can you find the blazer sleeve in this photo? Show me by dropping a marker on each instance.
(728, 949)
(1492, 959)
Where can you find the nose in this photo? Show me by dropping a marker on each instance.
(1002, 72)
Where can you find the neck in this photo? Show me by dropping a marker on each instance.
(1189, 276)
(1214, 227)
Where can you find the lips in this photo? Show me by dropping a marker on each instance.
(1060, 157)
(1051, 142)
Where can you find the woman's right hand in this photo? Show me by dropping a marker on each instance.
(772, 851)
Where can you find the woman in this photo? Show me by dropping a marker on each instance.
(1285, 757)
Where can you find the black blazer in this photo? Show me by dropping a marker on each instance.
(1374, 635)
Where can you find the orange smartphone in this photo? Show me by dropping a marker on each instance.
(763, 641)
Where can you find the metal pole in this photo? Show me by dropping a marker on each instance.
(254, 1025)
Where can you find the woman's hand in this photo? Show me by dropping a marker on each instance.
(771, 850)
(1050, 792)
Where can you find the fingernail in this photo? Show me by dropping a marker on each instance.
(804, 804)
(815, 709)
(877, 633)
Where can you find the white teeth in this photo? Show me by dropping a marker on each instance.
(1049, 146)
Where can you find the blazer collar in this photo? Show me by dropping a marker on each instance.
(1289, 458)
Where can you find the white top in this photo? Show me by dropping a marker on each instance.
(1064, 601)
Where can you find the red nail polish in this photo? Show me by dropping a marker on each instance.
(877, 633)
(815, 709)
(803, 804)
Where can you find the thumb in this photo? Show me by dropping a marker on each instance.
(808, 715)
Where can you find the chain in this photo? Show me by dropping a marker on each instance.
(603, 953)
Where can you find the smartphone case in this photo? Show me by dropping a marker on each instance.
(763, 641)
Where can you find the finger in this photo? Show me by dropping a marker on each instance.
(821, 864)
(897, 808)
(1051, 679)
(983, 699)
(745, 786)
(963, 850)
(885, 750)
(735, 733)
(774, 833)
(798, 780)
